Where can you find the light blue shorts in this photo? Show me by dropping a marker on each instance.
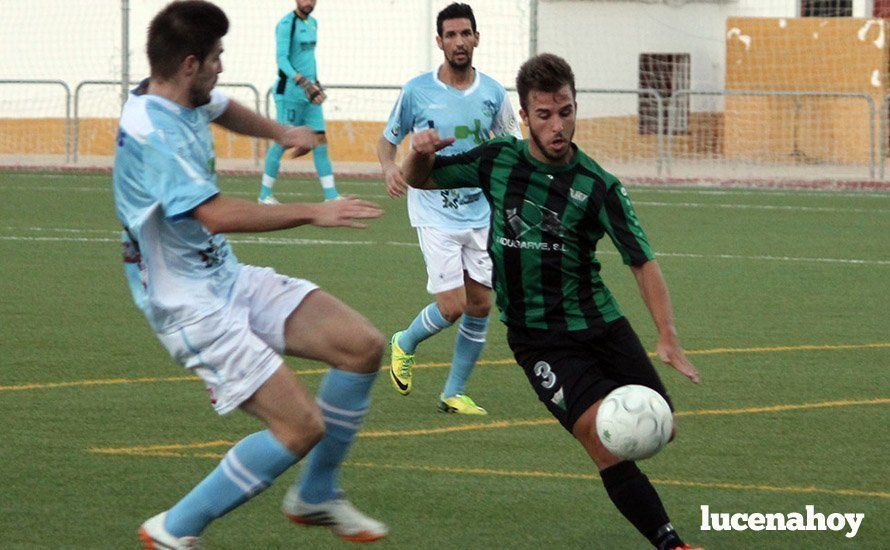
(299, 113)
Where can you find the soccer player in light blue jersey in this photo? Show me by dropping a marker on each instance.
(226, 322)
(298, 96)
(452, 225)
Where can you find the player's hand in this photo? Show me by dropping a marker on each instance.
(428, 142)
(395, 181)
(301, 139)
(670, 352)
(312, 90)
(344, 213)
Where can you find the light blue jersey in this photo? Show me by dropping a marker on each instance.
(295, 40)
(178, 271)
(471, 116)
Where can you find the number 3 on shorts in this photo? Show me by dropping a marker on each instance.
(542, 370)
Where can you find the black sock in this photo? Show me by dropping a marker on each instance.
(637, 500)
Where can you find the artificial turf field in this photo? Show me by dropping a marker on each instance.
(782, 300)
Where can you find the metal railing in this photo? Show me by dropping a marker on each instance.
(659, 113)
(67, 105)
(666, 108)
(672, 101)
(77, 90)
(659, 106)
(882, 135)
(256, 107)
(82, 84)
(373, 88)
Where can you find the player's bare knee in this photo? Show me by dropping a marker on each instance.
(601, 456)
(376, 348)
(369, 345)
(300, 436)
(479, 309)
(584, 431)
(451, 311)
(314, 430)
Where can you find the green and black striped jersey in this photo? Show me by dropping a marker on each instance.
(546, 221)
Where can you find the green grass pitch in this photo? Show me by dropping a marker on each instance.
(781, 297)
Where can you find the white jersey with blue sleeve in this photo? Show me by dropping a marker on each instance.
(164, 167)
(471, 116)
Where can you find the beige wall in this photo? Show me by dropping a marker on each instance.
(820, 55)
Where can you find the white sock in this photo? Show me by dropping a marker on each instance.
(268, 181)
(327, 182)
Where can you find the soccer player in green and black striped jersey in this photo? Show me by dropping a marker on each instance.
(550, 205)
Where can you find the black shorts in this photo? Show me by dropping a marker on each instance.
(572, 370)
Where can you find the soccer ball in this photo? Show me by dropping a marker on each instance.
(634, 422)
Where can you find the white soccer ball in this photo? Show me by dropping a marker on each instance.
(634, 422)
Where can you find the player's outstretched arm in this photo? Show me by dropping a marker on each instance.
(222, 214)
(654, 290)
(241, 120)
(392, 172)
(418, 165)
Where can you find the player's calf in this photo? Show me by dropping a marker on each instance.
(628, 488)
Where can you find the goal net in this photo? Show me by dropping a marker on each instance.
(366, 50)
(768, 89)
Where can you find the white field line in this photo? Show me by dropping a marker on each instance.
(265, 241)
(104, 190)
(769, 258)
(762, 207)
(302, 242)
(809, 193)
(637, 187)
(107, 177)
(636, 190)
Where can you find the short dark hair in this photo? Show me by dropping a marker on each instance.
(181, 29)
(545, 72)
(455, 11)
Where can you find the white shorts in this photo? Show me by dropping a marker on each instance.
(449, 253)
(237, 348)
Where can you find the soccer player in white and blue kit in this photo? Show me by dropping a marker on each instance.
(226, 322)
(452, 225)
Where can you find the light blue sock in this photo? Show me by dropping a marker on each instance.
(344, 398)
(467, 347)
(247, 469)
(322, 160)
(427, 323)
(325, 171)
(273, 164)
(264, 192)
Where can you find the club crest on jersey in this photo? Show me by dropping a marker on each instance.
(215, 252)
(489, 108)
